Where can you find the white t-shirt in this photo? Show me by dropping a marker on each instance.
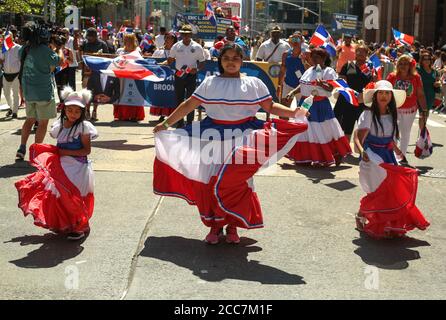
(187, 55)
(12, 59)
(267, 48)
(70, 45)
(161, 53)
(159, 41)
(365, 121)
(231, 99)
(310, 75)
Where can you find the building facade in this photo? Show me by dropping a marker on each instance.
(424, 19)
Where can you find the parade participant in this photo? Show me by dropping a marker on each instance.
(106, 38)
(92, 45)
(357, 75)
(10, 62)
(61, 76)
(430, 78)
(272, 50)
(59, 195)
(389, 208)
(406, 78)
(219, 185)
(73, 45)
(324, 143)
(345, 52)
(39, 60)
(291, 69)
(159, 39)
(185, 54)
(123, 112)
(163, 53)
(231, 37)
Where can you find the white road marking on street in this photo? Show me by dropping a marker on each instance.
(80, 262)
(434, 124)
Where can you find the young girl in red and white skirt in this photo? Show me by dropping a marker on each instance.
(388, 210)
(59, 195)
(211, 163)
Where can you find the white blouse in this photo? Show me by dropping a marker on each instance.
(366, 122)
(231, 99)
(310, 75)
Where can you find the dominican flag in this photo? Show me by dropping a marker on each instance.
(377, 66)
(147, 42)
(423, 147)
(128, 66)
(183, 71)
(209, 12)
(348, 93)
(402, 38)
(109, 25)
(321, 38)
(93, 20)
(8, 42)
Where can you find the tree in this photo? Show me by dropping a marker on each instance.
(22, 6)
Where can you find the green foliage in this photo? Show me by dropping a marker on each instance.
(22, 6)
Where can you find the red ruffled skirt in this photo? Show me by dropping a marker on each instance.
(128, 113)
(390, 210)
(50, 197)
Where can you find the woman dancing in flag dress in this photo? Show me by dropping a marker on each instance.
(324, 143)
(388, 210)
(211, 163)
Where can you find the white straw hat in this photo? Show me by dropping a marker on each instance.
(384, 85)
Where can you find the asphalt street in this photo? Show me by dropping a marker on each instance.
(143, 246)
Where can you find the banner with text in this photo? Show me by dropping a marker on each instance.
(162, 94)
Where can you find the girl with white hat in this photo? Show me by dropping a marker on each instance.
(388, 210)
(59, 195)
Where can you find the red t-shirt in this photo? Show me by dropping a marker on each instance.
(410, 86)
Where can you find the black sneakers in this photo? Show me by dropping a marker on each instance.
(9, 113)
(21, 152)
(74, 236)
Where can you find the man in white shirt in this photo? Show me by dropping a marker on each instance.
(11, 85)
(159, 39)
(188, 57)
(273, 49)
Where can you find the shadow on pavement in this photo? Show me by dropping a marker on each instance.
(55, 250)
(392, 254)
(120, 145)
(219, 262)
(424, 170)
(20, 168)
(315, 174)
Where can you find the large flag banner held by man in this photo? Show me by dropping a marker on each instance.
(128, 66)
(321, 38)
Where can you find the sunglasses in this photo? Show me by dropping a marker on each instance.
(296, 40)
